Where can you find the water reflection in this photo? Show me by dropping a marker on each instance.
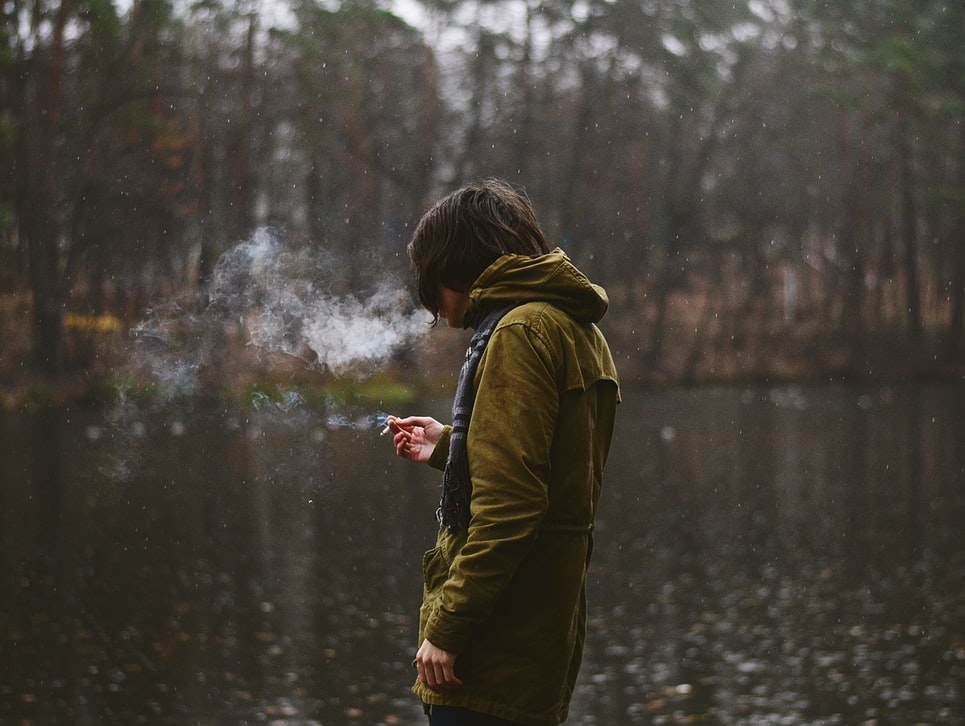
(787, 556)
(764, 556)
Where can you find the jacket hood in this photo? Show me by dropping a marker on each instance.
(550, 278)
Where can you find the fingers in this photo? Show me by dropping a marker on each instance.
(436, 668)
(401, 435)
(437, 677)
(411, 437)
(410, 422)
(450, 681)
(403, 443)
(396, 424)
(409, 444)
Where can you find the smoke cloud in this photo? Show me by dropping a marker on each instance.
(278, 299)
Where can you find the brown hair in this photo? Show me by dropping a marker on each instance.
(465, 232)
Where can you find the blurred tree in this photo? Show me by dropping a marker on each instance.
(355, 119)
(699, 74)
(9, 261)
(885, 68)
(732, 171)
(97, 154)
(899, 56)
(224, 109)
(945, 107)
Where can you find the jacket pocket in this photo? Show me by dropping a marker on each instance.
(435, 570)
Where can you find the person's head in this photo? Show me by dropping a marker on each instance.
(465, 232)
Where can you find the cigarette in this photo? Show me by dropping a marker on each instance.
(388, 428)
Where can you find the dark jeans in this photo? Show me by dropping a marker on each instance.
(448, 716)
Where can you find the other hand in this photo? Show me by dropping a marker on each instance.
(436, 668)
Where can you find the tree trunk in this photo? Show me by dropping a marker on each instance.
(909, 213)
(39, 102)
(955, 339)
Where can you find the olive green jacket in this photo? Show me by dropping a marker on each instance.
(508, 595)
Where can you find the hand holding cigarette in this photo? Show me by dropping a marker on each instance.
(415, 437)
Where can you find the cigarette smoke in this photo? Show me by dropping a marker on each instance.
(278, 298)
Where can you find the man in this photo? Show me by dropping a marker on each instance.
(503, 619)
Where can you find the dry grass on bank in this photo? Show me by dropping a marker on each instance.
(697, 349)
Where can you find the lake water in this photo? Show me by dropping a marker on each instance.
(788, 555)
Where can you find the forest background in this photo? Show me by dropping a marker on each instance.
(768, 189)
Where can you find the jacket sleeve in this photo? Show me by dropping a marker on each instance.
(510, 436)
(441, 453)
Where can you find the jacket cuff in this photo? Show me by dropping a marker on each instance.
(445, 634)
(441, 454)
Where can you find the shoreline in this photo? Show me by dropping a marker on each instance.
(106, 388)
(106, 363)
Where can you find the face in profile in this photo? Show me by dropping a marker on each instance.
(452, 306)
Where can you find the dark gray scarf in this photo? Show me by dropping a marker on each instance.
(453, 510)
